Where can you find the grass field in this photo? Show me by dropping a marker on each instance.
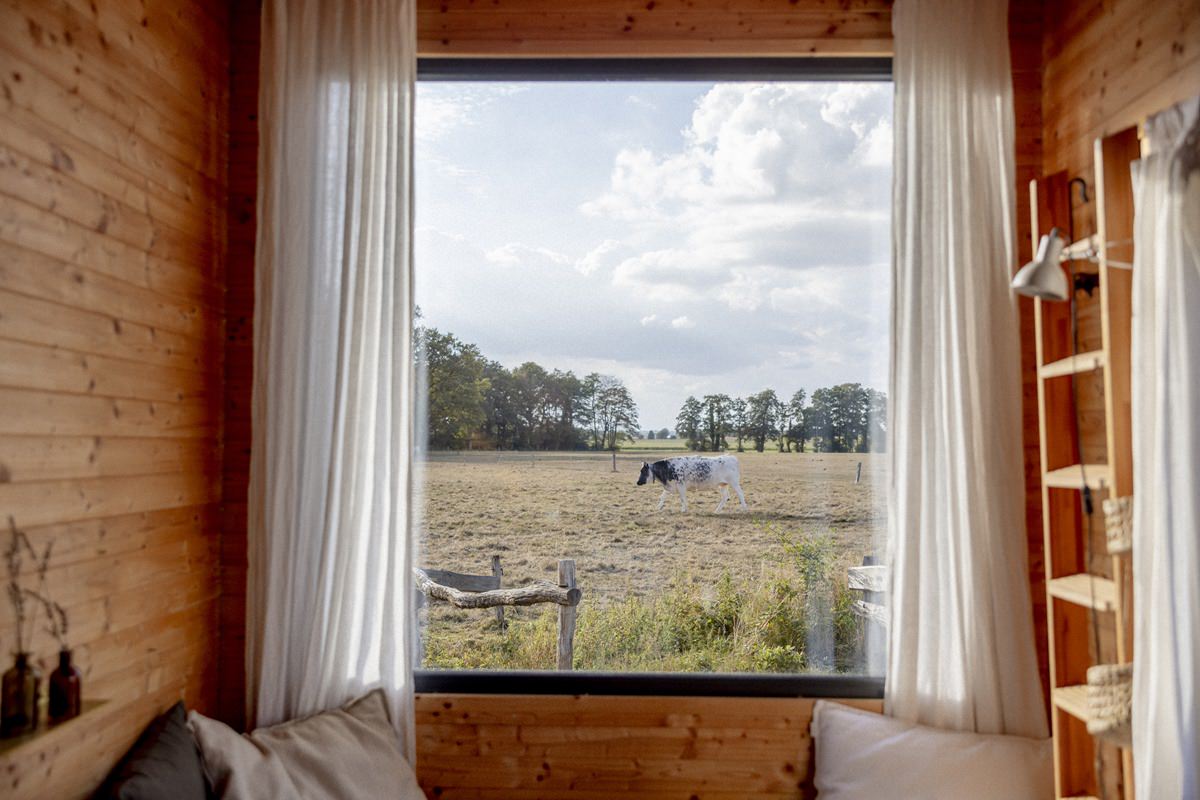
(738, 589)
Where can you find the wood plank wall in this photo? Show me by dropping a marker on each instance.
(1108, 64)
(654, 27)
(509, 747)
(112, 239)
(1025, 47)
(239, 352)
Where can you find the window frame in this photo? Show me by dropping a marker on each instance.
(674, 69)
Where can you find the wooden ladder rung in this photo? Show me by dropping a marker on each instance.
(1074, 365)
(1073, 700)
(1082, 589)
(1098, 477)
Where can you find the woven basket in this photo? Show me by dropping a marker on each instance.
(1118, 524)
(1110, 702)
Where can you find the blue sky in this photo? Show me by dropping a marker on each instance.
(688, 238)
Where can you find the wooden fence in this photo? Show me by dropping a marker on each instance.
(484, 591)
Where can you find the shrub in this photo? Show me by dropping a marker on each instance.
(799, 617)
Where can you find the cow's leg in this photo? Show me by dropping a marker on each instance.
(683, 497)
(663, 499)
(737, 487)
(724, 496)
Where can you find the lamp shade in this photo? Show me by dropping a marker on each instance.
(1044, 277)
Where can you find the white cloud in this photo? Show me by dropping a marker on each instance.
(515, 254)
(761, 210)
(444, 108)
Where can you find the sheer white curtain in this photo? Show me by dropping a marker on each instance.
(961, 650)
(1166, 457)
(329, 545)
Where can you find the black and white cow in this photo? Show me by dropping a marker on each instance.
(694, 472)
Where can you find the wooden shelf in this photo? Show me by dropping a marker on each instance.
(1082, 589)
(45, 730)
(1073, 365)
(1098, 477)
(1073, 700)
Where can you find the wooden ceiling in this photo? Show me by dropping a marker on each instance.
(465, 28)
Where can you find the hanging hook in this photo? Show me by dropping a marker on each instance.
(1083, 194)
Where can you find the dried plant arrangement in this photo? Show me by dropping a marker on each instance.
(14, 559)
(56, 615)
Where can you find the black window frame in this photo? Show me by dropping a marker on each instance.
(681, 69)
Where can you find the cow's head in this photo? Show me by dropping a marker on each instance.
(644, 475)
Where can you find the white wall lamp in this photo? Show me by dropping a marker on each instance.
(1044, 277)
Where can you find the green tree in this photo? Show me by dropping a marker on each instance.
(794, 430)
(738, 414)
(687, 423)
(762, 418)
(454, 373)
(609, 410)
(715, 422)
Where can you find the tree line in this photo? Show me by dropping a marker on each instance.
(847, 418)
(475, 402)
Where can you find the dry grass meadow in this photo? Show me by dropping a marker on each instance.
(733, 590)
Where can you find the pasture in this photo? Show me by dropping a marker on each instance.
(639, 567)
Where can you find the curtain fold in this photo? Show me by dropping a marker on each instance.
(329, 604)
(961, 650)
(1165, 354)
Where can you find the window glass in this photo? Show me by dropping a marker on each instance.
(612, 277)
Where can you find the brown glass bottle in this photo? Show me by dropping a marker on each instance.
(64, 690)
(19, 698)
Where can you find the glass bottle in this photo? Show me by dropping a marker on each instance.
(19, 701)
(64, 689)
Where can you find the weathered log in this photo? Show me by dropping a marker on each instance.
(870, 611)
(868, 579)
(536, 592)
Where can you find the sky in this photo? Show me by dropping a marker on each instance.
(688, 238)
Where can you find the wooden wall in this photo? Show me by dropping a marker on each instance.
(1108, 65)
(654, 27)
(125, 323)
(509, 747)
(112, 238)
(1025, 47)
(239, 353)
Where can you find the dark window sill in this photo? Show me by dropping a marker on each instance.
(684, 684)
(805, 68)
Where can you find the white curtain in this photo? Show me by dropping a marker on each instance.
(329, 605)
(961, 649)
(1166, 458)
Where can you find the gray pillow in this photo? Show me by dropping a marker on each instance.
(348, 752)
(163, 764)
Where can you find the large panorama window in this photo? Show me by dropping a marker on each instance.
(611, 274)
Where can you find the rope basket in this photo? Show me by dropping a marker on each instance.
(1118, 524)
(1110, 702)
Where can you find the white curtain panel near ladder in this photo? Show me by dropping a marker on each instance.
(1166, 457)
(329, 594)
(961, 649)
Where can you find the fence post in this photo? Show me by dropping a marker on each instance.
(858, 475)
(614, 460)
(499, 573)
(566, 616)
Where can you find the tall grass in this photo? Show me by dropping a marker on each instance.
(794, 617)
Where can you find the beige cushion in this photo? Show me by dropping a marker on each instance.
(343, 753)
(866, 756)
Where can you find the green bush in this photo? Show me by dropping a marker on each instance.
(797, 618)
